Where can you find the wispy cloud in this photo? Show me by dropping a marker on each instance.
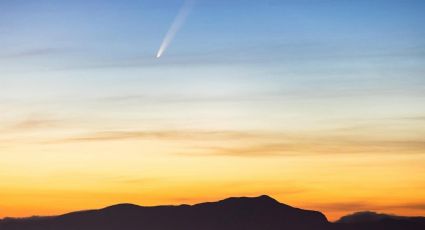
(30, 123)
(162, 134)
(34, 52)
(261, 150)
(179, 98)
(414, 118)
(355, 206)
(75, 176)
(415, 206)
(310, 146)
(34, 123)
(256, 143)
(344, 206)
(265, 53)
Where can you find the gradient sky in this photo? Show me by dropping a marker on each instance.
(318, 103)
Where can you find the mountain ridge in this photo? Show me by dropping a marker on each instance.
(234, 213)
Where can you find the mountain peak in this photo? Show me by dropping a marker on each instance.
(258, 201)
(266, 197)
(262, 198)
(123, 205)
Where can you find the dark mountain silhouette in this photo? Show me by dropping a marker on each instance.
(258, 213)
(377, 221)
(368, 217)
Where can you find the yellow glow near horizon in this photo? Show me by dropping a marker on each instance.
(335, 176)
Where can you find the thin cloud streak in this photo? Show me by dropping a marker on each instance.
(305, 51)
(162, 135)
(363, 206)
(36, 52)
(256, 144)
(31, 123)
(343, 206)
(34, 123)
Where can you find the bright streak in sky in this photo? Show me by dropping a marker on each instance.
(176, 26)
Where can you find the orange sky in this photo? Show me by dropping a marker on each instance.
(55, 171)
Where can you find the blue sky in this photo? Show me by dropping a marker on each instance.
(134, 28)
(272, 46)
(341, 53)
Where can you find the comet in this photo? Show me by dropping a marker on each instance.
(175, 26)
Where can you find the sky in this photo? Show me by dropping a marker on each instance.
(317, 103)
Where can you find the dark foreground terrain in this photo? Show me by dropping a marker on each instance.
(259, 213)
